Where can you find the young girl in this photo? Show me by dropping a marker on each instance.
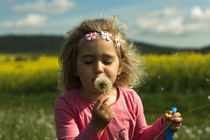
(95, 49)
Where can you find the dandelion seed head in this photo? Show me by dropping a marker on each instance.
(209, 97)
(176, 54)
(188, 131)
(207, 129)
(16, 136)
(186, 65)
(200, 131)
(102, 83)
(192, 136)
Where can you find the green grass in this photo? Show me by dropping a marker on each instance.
(27, 117)
(158, 103)
(196, 124)
(31, 116)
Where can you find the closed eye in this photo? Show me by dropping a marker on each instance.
(88, 62)
(107, 62)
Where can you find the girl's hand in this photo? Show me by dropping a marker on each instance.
(174, 118)
(102, 115)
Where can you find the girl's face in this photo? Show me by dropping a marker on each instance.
(96, 58)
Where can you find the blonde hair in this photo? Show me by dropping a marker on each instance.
(132, 68)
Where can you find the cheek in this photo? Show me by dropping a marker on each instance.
(113, 74)
(84, 73)
(113, 79)
(80, 72)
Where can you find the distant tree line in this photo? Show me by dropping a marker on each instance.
(41, 44)
(31, 44)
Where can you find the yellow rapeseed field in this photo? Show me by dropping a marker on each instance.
(180, 71)
(25, 73)
(27, 64)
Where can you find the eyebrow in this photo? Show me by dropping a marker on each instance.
(108, 56)
(87, 55)
(103, 56)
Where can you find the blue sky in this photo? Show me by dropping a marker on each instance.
(179, 23)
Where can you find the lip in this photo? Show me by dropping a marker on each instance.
(94, 78)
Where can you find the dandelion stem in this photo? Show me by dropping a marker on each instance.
(197, 108)
(191, 110)
(161, 132)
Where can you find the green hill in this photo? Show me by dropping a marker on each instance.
(31, 44)
(42, 44)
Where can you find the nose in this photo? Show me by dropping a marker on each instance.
(98, 67)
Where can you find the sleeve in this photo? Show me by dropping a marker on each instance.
(66, 126)
(142, 131)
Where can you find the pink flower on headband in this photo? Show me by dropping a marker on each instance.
(91, 36)
(117, 42)
(106, 35)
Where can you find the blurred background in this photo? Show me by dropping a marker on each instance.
(172, 37)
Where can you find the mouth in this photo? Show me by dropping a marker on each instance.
(102, 83)
(95, 77)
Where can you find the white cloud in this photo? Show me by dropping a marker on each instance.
(173, 26)
(29, 21)
(166, 12)
(197, 12)
(55, 6)
(170, 21)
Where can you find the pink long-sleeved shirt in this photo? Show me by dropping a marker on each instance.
(73, 115)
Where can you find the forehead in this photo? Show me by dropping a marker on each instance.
(97, 47)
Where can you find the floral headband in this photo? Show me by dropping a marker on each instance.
(103, 34)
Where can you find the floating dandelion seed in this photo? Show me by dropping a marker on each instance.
(209, 97)
(186, 65)
(176, 54)
(102, 83)
(207, 129)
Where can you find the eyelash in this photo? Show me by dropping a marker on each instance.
(89, 62)
(104, 62)
(107, 62)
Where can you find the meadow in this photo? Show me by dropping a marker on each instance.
(30, 117)
(28, 73)
(184, 72)
(28, 90)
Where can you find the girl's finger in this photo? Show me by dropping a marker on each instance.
(176, 124)
(100, 101)
(105, 104)
(177, 120)
(176, 114)
(176, 117)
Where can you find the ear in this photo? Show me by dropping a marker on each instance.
(119, 70)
